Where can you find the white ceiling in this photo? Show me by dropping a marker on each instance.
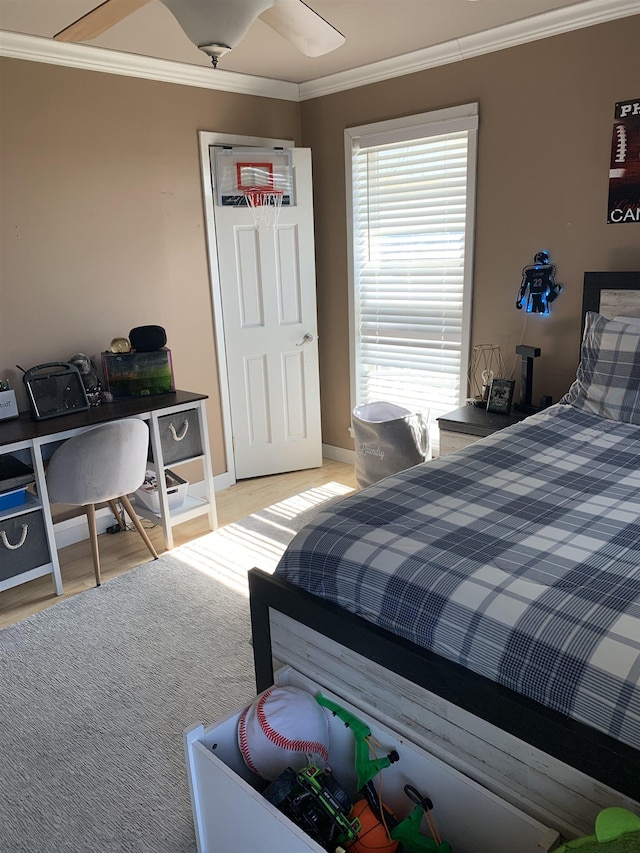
(374, 29)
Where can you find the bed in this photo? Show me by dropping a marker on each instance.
(490, 599)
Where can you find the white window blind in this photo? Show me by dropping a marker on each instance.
(412, 220)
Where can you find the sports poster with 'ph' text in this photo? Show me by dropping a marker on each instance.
(624, 172)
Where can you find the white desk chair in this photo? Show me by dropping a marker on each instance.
(103, 464)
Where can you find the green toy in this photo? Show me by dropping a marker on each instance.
(616, 831)
(366, 768)
(407, 831)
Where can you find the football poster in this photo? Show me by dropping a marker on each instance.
(624, 172)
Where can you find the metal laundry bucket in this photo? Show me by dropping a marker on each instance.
(388, 438)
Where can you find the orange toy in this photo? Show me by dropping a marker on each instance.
(373, 835)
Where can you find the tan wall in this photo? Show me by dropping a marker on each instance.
(102, 221)
(102, 215)
(546, 116)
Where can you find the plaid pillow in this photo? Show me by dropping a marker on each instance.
(608, 378)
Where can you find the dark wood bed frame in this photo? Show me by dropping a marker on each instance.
(599, 756)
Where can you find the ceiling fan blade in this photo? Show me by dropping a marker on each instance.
(304, 28)
(99, 20)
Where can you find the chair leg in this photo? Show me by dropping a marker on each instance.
(138, 525)
(116, 512)
(93, 535)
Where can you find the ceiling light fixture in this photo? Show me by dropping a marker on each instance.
(217, 26)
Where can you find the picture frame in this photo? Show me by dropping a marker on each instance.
(501, 396)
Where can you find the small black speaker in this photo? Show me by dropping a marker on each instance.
(147, 338)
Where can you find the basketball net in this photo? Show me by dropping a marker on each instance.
(265, 205)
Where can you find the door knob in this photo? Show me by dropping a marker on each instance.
(305, 340)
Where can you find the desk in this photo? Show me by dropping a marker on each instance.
(178, 434)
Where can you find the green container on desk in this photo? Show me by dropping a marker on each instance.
(138, 374)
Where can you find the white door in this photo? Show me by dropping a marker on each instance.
(268, 294)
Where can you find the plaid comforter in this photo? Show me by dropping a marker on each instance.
(517, 557)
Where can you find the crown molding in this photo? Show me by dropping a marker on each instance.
(38, 49)
(555, 22)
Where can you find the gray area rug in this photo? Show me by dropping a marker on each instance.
(95, 693)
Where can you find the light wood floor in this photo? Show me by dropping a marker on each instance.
(124, 551)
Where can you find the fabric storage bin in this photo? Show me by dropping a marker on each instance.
(180, 437)
(388, 439)
(23, 544)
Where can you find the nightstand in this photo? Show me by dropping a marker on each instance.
(469, 424)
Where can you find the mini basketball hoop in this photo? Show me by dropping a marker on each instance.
(258, 178)
(265, 204)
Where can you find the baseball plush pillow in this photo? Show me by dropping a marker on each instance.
(284, 727)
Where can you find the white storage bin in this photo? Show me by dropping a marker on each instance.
(231, 815)
(148, 496)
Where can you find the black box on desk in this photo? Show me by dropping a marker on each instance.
(138, 374)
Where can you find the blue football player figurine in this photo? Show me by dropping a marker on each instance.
(539, 278)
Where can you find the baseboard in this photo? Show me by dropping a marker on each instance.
(75, 529)
(339, 454)
(220, 482)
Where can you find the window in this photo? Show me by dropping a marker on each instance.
(411, 214)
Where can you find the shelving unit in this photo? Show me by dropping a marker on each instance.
(180, 437)
(27, 544)
(31, 554)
